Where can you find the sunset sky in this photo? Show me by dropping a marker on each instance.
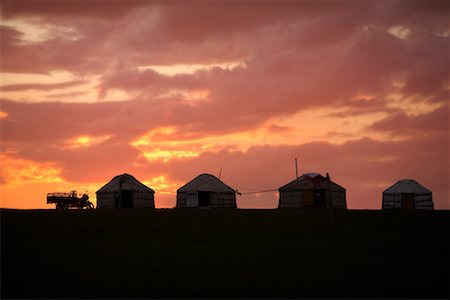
(166, 91)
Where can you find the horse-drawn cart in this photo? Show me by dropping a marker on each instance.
(69, 200)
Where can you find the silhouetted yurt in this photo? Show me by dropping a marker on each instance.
(407, 194)
(206, 191)
(312, 190)
(125, 191)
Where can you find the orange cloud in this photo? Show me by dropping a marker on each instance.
(85, 141)
(16, 171)
(162, 185)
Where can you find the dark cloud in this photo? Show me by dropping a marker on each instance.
(67, 8)
(400, 123)
(362, 106)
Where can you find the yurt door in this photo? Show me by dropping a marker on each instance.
(127, 199)
(319, 199)
(308, 198)
(408, 201)
(204, 198)
(192, 199)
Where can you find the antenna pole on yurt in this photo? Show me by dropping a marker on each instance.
(220, 172)
(296, 169)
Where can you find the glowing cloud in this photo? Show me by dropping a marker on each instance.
(162, 185)
(86, 141)
(400, 32)
(172, 70)
(17, 171)
(33, 31)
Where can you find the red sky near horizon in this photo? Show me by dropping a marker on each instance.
(167, 91)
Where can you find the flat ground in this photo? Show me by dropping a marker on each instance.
(224, 254)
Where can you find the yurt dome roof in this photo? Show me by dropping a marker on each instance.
(127, 181)
(206, 183)
(312, 175)
(407, 186)
(309, 181)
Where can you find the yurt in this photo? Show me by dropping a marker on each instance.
(312, 190)
(206, 190)
(125, 191)
(407, 194)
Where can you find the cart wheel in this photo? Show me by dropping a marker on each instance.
(91, 206)
(59, 206)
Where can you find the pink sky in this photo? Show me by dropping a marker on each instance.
(167, 91)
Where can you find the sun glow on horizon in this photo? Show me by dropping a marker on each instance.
(162, 185)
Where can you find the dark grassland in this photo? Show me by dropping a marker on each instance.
(224, 254)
